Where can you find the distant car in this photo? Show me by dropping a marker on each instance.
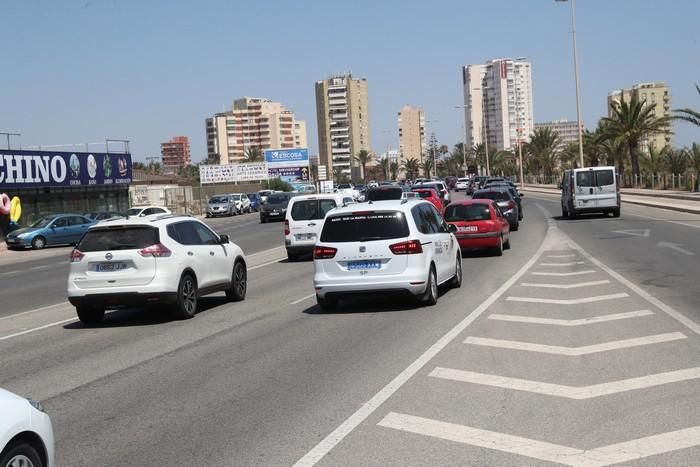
(241, 203)
(264, 194)
(142, 211)
(139, 261)
(430, 195)
(462, 184)
(221, 205)
(276, 207)
(590, 189)
(518, 197)
(348, 189)
(480, 224)
(58, 229)
(505, 202)
(451, 182)
(255, 201)
(479, 181)
(304, 220)
(399, 246)
(26, 433)
(438, 186)
(383, 193)
(101, 215)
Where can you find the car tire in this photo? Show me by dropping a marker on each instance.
(616, 212)
(90, 314)
(38, 242)
(564, 211)
(207, 216)
(498, 250)
(239, 283)
(456, 281)
(327, 304)
(186, 304)
(514, 227)
(20, 454)
(263, 220)
(571, 212)
(430, 297)
(506, 245)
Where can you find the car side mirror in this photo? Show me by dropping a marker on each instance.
(223, 238)
(452, 228)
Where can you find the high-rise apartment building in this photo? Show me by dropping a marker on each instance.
(650, 93)
(411, 134)
(566, 129)
(499, 94)
(253, 122)
(342, 110)
(176, 152)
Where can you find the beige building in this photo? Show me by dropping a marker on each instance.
(651, 93)
(253, 122)
(342, 110)
(411, 134)
(566, 129)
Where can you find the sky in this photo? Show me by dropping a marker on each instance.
(91, 70)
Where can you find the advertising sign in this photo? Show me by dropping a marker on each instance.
(289, 174)
(33, 169)
(288, 157)
(252, 171)
(231, 173)
(322, 172)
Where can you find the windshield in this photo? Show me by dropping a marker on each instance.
(383, 194)
(467, 212)
(494, 195)
(235, 197)
(42, 222)
(277, 199)
(344, 186)
(218, 199)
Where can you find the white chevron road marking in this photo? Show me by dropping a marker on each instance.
(564, 286)
(575, 351)
(563, 274)
(599, 457)
(573, 263)
(573, 301)
(570, 392)
(561, 256)
(570, 322)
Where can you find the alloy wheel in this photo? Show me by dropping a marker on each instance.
(20, 460)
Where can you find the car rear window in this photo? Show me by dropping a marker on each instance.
(604, 177)
(310, 209)
(585, 178)
(424, 193)
(383, 194)
(494, 195)
(467, 212)
(277, 199)
(360, 227)
(118, 238)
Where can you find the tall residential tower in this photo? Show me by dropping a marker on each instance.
(411, 134)
(649, 93)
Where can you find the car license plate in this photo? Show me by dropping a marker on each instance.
(110, 267)
(274, 213)
(467, 228)
(11, 240)
(355, 265)
(305, 236)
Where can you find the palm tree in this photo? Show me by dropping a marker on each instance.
(394, 169)
(253, 154)
(363, 157)
(427, 167)
(694, 159)
(570, 155)
(688, 115)
(653, 160)
(443, 149)
(411, 167)
(385, 167)
(478, 152)
(631, 122)
(615, 152)
(676, 160)
(544, 148)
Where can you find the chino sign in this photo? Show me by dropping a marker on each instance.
(288, 157)
(34, 169)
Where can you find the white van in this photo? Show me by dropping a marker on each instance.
(590, 189)
(304, 220)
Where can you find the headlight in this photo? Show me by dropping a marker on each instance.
(23, 235)
(36, 404)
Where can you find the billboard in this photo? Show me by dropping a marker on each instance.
(35, 169)
(231, 173)
(288, 157)
(289, 174)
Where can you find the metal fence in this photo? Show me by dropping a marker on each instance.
(672, 182)
(184, 199)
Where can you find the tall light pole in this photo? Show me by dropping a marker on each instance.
(518, 131)
(464, 146)
(578, 93)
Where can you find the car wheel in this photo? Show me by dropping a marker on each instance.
(506, 244)
(456, 282)
(327, 304)
(207, 215)
(263, 220)
(38, 242)
(515, 227)
(571, 212)
(21, 455)
(250, 209)
(239, 283)
(498, 251)
(430, 297)
(616, 212)
(90, 314)
(186, 304)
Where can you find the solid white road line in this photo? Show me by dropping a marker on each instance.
(368, 408)
(570, 322)
(573, 301)
(561, 256)
(607, 455)
(563, 274)
(47, 307)
(266, 264)
(570, 392)
(573, 263)
(565, 286)
(575, 351)
(299, 300)
(27, 331)
(695, 226)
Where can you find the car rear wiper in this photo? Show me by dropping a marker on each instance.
(365, 239)
(122, 246)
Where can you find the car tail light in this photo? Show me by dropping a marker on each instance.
(410, 247)
(286, 227)
(157, 251)
(75, 256)
(324, 252)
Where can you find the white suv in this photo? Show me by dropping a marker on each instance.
(242, 202)
(304, 220)
(169, 260)
(385, 247)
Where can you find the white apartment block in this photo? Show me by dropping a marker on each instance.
(650, 93)
(253, 122)
(566, 129)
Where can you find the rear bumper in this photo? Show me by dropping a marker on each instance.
(124, 299)
(478, 240)
(370, 285)
(269, 217)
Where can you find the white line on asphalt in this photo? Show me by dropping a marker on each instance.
(573, 301)
(575, 351)
(634, 232)
(265, 264)
(43, 266)
(675, 247)
(564, 286)
(561, 256)
(299, 300)
(573, 263)
(34, 310)
(606, 455)
(569, 392)
(368, 408)
(563, 274)
(21, 333)
(9, 273)
(570, 322)
(695, 226)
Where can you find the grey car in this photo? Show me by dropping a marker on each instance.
(221, 205)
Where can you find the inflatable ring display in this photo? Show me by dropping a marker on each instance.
(4, 204)
(15, 209)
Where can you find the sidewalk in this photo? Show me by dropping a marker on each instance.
(673, 200)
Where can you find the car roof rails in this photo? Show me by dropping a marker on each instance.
(168, 216)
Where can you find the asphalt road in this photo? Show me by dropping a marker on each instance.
(579, 346)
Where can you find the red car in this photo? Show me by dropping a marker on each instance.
(480, 224)
(429, 194)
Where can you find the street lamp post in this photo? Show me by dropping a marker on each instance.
(578, 93)
(484, 133)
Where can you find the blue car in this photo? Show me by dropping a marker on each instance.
(255, 201)
(57, 229)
